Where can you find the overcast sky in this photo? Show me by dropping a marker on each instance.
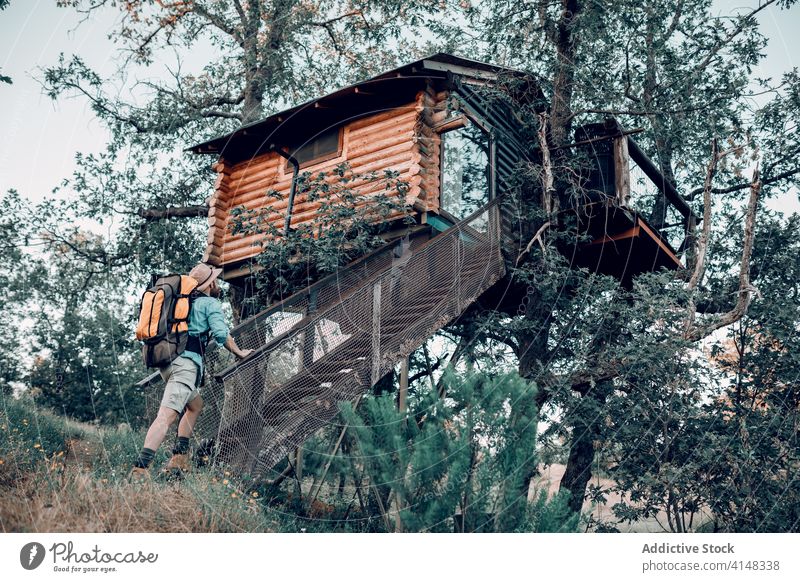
(40, 137)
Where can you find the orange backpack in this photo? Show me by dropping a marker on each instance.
(164, 318)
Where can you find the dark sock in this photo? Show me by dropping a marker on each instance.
(181, 447)
(145, 458)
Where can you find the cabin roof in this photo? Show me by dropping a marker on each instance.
(389, 89)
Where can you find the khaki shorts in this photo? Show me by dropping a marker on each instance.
(182, 378)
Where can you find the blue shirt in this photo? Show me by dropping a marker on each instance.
(206, 316)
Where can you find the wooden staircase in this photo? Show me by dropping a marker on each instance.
(333, 341)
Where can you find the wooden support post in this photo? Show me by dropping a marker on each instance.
(358, 479)
(299, 462)
(298, 473)
(376, 332)
(308, 335)
(403, 392)
(295, 460)
(402, 396)
(622, 171)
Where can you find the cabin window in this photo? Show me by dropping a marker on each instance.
(465, 171)
(323, 146)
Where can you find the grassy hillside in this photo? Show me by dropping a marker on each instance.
(61, 476)
(58, 475)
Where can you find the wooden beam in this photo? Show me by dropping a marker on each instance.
(448, 124)
(622, 170)
(403, 392)
(632, 232)
(635, 232)
(459, 70)
(663, 246)
(376, 332)
(655, 175)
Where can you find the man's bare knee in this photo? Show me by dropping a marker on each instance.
(167, 415)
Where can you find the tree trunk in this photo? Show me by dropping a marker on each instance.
(564, 74)
(585, 430)
(561, 102)
(532, 352)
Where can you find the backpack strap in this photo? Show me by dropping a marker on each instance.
(197, 344)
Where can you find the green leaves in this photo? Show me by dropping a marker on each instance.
(345, 225)
(470, 454)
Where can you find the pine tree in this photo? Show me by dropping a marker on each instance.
(464, 455)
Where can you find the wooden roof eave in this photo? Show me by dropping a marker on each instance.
(438, 66)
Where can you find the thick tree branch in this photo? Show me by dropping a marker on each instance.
(426, 372)
(192, 211)
(746, 290)
(100, 106)
(702, 242)
(219, 22)
(744, 185)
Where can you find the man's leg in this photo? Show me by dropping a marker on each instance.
(180, 451)
(193, 409)
(158, 430)
(155, 436)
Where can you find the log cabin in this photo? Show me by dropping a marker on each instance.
(436, 124)
(448, 127)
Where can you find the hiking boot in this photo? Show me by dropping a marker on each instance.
(139, 475)
(177, 466)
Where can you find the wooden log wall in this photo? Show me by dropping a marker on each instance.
(429, 144)
(217, 213)
(402, 139)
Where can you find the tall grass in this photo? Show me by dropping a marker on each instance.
(60, 476)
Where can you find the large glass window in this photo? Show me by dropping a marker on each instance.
(466, 172)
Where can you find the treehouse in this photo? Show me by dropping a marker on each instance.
(444, 128)
(434, 122)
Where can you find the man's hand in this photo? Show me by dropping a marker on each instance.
(236, 350)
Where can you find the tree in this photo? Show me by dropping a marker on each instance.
(86, 361)
(620, 381)
(4, 78)
(460, 456)
(12, 238)
(275, 53)
(685, 76)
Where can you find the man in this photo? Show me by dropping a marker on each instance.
(182, 376)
